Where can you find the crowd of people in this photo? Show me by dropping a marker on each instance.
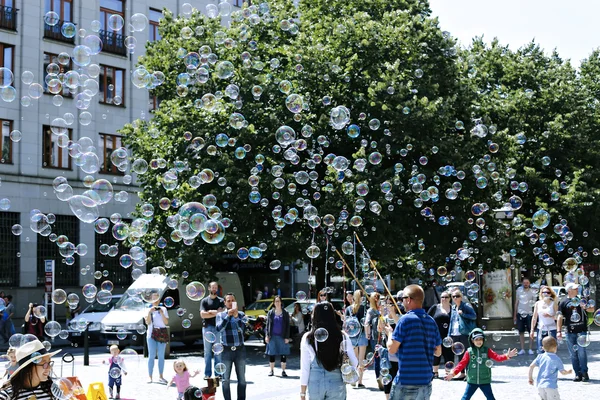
(404, 342)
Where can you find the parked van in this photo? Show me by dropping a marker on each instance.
(125, 322)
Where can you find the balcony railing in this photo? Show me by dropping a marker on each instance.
(8, 18)
(55, 33)
(113, 42)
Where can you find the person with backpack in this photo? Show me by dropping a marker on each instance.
(478, 362)
(360, 341)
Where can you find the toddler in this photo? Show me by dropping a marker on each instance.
(116, 366)
(11, 365)
(181, 378)
(550, 364)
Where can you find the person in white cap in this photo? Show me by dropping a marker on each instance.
(573, 316)
(31, 380)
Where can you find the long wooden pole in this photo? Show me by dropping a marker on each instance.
(346, 266)
(379, 275)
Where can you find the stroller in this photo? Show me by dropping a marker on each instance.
(205, 393)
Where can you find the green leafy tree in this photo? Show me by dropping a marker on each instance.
(348, 118)
(546, 114)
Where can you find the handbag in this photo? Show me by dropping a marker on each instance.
(160, 335)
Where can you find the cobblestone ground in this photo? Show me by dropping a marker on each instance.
(509, 378)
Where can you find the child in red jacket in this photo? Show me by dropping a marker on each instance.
(478, 362)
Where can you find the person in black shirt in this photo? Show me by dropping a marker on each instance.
(441, 315)
(574, 317)
(210, 306)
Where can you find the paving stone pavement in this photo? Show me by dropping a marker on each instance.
(509, 378)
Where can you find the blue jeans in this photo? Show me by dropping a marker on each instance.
(579, 356)
(541, 334)
(208, 354)
(155, 348)
(410, 392)
(472, 388)
(237, 358)
(323, 384)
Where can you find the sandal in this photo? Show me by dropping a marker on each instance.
(436, 375)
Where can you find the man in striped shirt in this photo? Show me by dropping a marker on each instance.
(416, 340)
(231, 327)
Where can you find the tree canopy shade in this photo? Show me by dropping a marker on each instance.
(280, 136)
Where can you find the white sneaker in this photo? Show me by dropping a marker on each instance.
(521, 352)
(531, 352)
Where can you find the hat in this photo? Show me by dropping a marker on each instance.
(571, 286)
(477, 335)
(29, 353)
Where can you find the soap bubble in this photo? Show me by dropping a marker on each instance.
(220, 368)
(52, 328)
(321, 335)
(300, 295)
(195, 291)
(352, 327)
(458, 348)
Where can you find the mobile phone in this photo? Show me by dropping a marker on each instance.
(234, 305)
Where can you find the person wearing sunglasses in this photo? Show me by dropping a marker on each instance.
(415, 341)
(441, 315)
(544, 316)
(31, 380)
(462, 322)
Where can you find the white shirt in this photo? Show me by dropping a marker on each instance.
(546, 323)
(299, 321)
(157, 321)
(527, 299)
(307, 355)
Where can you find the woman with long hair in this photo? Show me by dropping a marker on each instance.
(298, 318)
(462, 322)
(322, 352)
(359, 342)
(157, 320)
(277, 335)
(372, 332)
(393, 316)
(544, 315)
(31, 380)
(441, 315)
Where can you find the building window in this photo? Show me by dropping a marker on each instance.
(55, 153)
(108, 143)
(64, 9)
(8, 15)
(154, 16)
(113, 41)
(112, 89)
(10, 247)
(7, 52)
(6, 143)
(240, 3)
(64, 274)
(153, 102)
(54, 82)
(118, 275)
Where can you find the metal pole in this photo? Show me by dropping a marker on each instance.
(86, 345)
(354, 283)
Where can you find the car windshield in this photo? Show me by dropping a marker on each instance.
(129, 302)
(259, 305)
(97, 307)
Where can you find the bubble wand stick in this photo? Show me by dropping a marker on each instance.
(346, 266)
(378, 274)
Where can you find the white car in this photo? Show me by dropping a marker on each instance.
(92, 315)
(560, 291)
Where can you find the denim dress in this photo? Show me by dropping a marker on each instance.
(325, 385)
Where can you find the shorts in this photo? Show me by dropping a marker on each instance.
(548, 394)
(523, 323)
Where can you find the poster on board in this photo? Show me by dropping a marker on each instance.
(497, 294)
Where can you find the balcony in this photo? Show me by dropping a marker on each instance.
(113, 42)
(8, 18)
(55, 33)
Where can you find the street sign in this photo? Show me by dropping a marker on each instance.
(49, 276)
